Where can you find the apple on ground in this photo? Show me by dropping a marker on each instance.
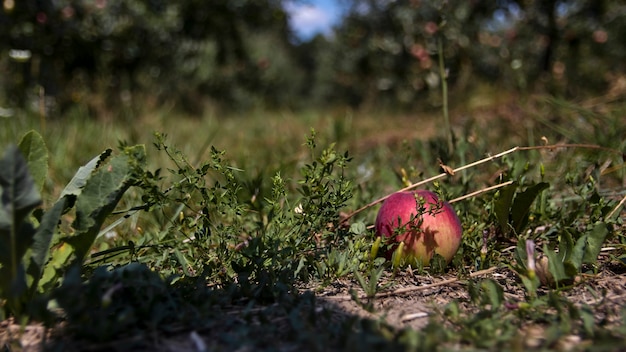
(423, 223)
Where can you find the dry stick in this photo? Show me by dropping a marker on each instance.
(616, 208)
(481, 191)
(415, 288)
(573, 145)
(482, 161)
(428, 180)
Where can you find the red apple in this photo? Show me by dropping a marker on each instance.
(435, 227)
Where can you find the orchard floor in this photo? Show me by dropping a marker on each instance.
(410, 302)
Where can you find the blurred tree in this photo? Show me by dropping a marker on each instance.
(77, 47)
(81, 50)
(242, 53)
(236, 52)
(386, 51)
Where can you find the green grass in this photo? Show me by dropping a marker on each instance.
(243, 223)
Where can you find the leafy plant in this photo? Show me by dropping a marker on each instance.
(27, 237)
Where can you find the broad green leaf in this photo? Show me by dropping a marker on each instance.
(595, 239)
(522, 203)
(100, 195)
(17, 187)
(503, 206)
(42, 241)
(35, 152)
(58, 259)
(18, 197)
(76, 184)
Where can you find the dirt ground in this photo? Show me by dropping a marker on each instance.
(409, 303)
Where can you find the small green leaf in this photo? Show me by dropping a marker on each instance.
(301, 265)
(397, 258)
(595, 239)
(358, 228)
(521, 206)
(438, 264)
(452, 309)
(587, 317)
(361, 280)
(375, 247)
(493, 293)
(566, 245)
(574, 259)
(531, 285)
(182, 261)
(503, 206)
(555, 265)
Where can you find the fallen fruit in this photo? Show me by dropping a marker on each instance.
(423, 223)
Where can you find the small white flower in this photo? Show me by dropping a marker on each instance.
(111, 234)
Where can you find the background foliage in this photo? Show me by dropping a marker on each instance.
(242, 54)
